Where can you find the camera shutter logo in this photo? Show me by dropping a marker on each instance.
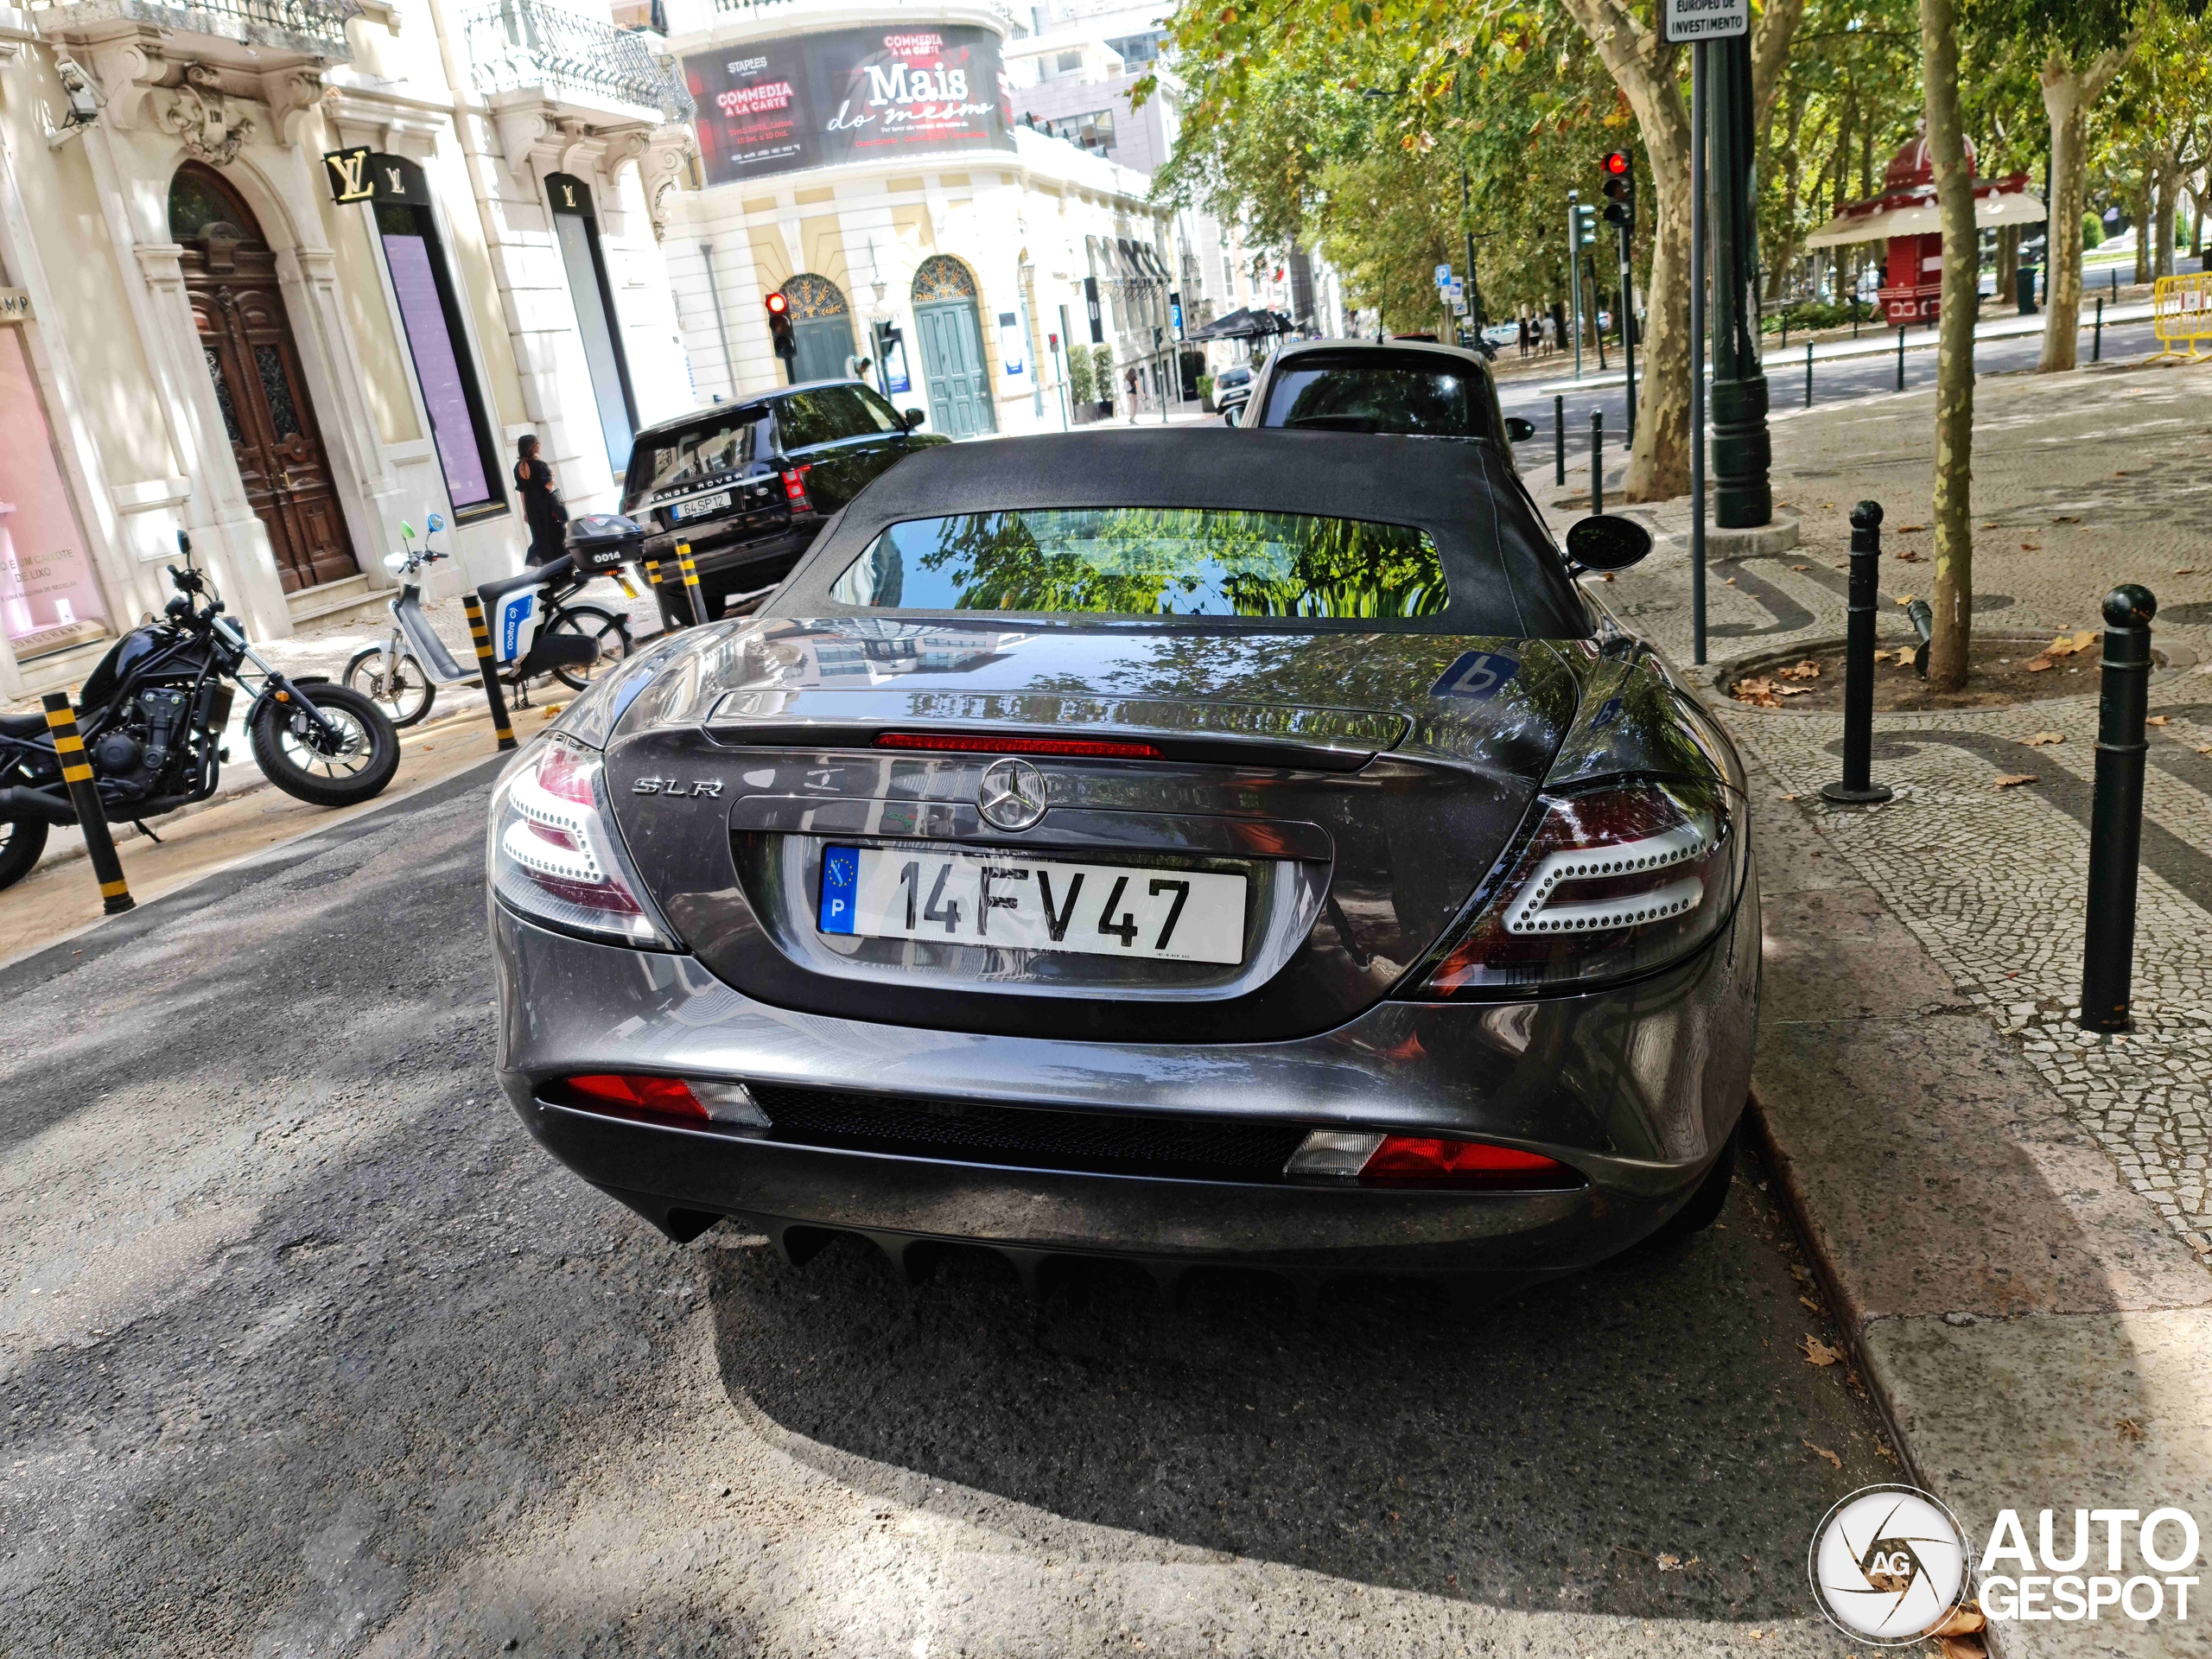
(1013, 794)
(1887, 1563)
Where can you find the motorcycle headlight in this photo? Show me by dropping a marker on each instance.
(1611, 883)
(554, 855)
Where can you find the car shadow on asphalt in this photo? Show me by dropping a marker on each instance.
(1641, 1439)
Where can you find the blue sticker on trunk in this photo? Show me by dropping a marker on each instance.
(840, 883)
(1477, 675)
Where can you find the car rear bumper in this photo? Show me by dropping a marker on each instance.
(1635, 1088)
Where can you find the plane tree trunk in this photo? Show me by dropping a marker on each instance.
(1953, 515)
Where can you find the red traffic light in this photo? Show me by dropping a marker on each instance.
(1615, 165)
(778, 305)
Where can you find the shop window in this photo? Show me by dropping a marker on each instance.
(50, 598)
(430, 309)
(576, 228)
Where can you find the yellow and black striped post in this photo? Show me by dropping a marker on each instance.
(482, 635)
(85, 796)
(691, 581)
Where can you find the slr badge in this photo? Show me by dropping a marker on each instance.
(1013, 795)
(711, 787)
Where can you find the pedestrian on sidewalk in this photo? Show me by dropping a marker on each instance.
(543, 510)
(1129, 384)
(1524, 320)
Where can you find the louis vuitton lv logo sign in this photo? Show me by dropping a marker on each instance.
(361, 175)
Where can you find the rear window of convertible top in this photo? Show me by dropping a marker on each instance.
(1149, 562)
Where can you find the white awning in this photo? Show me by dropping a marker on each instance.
(1998, 207)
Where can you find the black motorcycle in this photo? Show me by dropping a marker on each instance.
(152, 717)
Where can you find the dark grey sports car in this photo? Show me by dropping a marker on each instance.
(1192, 845)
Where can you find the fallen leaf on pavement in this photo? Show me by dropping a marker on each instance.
(2043, 740)
(2186, 570)
(1992, 524)
(2013, 780)
(1807, 567)
(2038, 664)
(1905, 654)
(1795, 691)
(1808, 670)
(1961, 1646)
(2158, 720)
(1810, 1303)
(1905, 530)
(1822, 1450)
(1906, 599)
(1906, 556)
(2067, 518)
(2205, 749)
(1670, 1563)
(1817, 1352)
(1963, 1620)
(2128, 1429)
(1758, 693)
(1609, 575)
(2030, 547)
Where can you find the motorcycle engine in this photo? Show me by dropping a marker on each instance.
(139, 751)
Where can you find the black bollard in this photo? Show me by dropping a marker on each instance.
(481, 633)
(1855, 788)
(85, 796)
(2097, 333)
(2116, 813)
(1809, 374)
(698, 600)
(1900, 357)
(1558, 439)
(1597, 461)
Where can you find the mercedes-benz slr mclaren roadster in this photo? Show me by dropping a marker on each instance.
(1200, 846)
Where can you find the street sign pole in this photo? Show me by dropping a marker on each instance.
(1575, 277)
(1697, 353)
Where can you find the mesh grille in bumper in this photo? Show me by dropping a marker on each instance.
(1029, 1137)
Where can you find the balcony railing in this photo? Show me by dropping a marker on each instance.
(316, 27)
(518, 43)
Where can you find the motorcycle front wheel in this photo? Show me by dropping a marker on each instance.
(405, 694)
(609, 631)
(20, 842)
(302, 762)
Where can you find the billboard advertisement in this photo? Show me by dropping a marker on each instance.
(848, 95)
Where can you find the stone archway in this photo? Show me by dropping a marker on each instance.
(246, 340)
(948, 326)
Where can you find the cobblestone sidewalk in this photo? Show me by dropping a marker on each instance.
(2083, 481)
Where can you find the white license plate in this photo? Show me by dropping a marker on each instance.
(1020, 903)
(705, 504)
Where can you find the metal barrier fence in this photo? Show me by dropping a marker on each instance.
(2181, 315)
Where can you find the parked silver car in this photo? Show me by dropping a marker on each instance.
(1191, 845)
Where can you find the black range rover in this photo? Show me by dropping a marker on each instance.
(748, 483)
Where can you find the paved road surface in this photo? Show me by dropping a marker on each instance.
(305, 1348)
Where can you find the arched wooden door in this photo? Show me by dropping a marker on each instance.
(822, 328)
(951, 336)
(229, 275)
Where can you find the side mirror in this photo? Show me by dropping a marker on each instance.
(437, 522)
(1606, 542)
(914, 418)
(1228, 416)
(407, 531)
(1519, 431)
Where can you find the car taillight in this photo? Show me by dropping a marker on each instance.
(726, 1106)
(1378, 1159)
(1613, 882)
(795, 488)
(553, 854)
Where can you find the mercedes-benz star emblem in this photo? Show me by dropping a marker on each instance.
(1013, 795)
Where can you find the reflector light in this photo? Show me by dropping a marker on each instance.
(667, 1097)
(1423, 1161)
(1379, 1160)
(1073, 747)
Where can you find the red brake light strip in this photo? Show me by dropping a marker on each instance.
(1087, 748)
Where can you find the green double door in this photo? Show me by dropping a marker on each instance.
(953, 366)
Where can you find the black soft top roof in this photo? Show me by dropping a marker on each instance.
(1505, 576)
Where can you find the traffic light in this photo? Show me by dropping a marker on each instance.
(1619, 173)
(780, 326)
(1585, 218)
